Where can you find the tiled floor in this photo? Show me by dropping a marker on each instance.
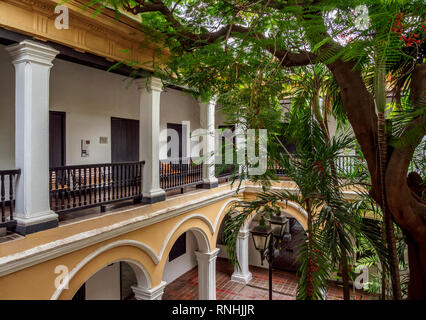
(10, 236)
(284, 286)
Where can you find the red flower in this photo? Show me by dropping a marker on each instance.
(320, 168)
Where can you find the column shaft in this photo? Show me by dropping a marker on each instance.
(242, 275)
(32, 62)
(207, 121)
(207, 274)
(149, 149)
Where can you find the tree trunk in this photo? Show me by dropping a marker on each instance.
(388, 221)
(417, 264)
(407, 211)
(324, 127)
(310, 286)
(345, 277)
(383, 294)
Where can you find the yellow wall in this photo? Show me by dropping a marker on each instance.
(37, 282)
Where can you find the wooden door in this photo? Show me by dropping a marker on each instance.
(179, 129)
(124, 140)
(56, 139)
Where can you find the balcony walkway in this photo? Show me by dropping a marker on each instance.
(284, 286)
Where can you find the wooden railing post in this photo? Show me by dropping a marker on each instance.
(84, 186)
(7, 199)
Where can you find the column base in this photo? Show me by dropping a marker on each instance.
(242, 278)
(149, 294)
(154, 197)
(209, 184)
(39, 223)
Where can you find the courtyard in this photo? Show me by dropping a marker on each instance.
(284, 286)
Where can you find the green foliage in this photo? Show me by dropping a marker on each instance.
(330, 226)
(241, 52)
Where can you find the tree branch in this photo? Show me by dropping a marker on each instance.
(190, 39)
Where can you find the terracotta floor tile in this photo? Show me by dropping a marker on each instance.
(284, 286)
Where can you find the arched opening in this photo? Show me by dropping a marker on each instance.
(114, 282)
(181, 271)
(287, 260)
(252, 275)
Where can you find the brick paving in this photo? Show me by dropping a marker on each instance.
(284, 286)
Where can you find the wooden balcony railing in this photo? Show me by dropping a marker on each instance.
(180, 173)
(345, 164)
(83, 186)
(349, 165)
(7, 197)
(225, 170)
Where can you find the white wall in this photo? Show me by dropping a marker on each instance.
(7, 111)
(178, 107)
(90, 97)
(220, 118)
(104, 284)
(254, 255)
(184, 263)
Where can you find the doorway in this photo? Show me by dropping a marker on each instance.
(179, 129)
(288, 259)
(57, 139)
(124, 140)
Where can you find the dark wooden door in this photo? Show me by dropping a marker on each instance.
(179, 129)
(124, 140)
(225, 143)
(290, 248)
(56, 139)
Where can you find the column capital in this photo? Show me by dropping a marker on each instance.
(212, 101)
(149, 294)
(243, 234)
(207, 256)
(31, 51)
(151, 84)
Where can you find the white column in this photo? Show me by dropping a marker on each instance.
(149, 148)
(207, 274)
(149, 294)
(32, 61)
(242, 275)
(207, 122)
(240, 141)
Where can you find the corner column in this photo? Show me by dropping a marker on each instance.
(207, 122)
(32, 61)
(207, 274)
(242, 275)
(149, 294)
(149, 129)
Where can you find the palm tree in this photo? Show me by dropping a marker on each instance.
(315, 88)
(329, 226)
